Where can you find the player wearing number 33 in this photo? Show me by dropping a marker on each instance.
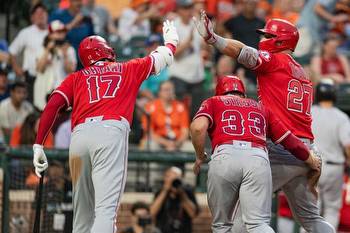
(287, 92)
(102, 96)
(239, 166)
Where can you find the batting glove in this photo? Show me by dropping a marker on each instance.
(170, 34)
(39, 160)
(205, 28)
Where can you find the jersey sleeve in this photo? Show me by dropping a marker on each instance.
(276, 130)
(344, 131)
(266, 63)
(140, 68)
(66, 89)
(206, 110)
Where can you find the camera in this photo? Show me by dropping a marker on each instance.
(177, 183)
(144, 221)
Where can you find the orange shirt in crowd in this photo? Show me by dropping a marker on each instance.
(166, 124)
(16, 138)
(290, 15)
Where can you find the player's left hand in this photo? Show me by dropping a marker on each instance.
(205, 28)
(170, 34)
(197, 164)
(313, 177)
(39, 160)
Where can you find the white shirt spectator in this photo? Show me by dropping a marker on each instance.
(63, 134)
(128, 28)
(10, 117)
(189, 66)
(53, 75)
(30, 41)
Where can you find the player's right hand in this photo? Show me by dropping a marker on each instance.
(170, 34)
(205, 28)
(39, 159)
(314, 161)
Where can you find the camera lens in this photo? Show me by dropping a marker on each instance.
(177, 183)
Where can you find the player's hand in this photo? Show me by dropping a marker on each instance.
(205, 28)
(170, 34)
(314, 161)
(197, 165)
(39, 160)
(313, 177)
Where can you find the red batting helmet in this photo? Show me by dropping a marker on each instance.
(284, 36)
(93, 49)
(229, 83)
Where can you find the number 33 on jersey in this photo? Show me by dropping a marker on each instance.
(234, 118)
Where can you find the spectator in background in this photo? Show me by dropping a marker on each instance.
(102, 21)
(29, 41)
(169, 121)
(77, 22)
(330, 64)
(313, 26)
(135, 20)
(246, 34)
(331, 128)
(4, 87)
(286, 9)
(57, 60)
(4, 54)
(175, 205)
(25, 133)
(141, 220)
(14, 109)
(187, 70)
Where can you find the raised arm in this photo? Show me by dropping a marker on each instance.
(164, 55)
(244, 54)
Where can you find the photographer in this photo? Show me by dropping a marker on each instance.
(56, 61)
(141, 220)
(175, 204)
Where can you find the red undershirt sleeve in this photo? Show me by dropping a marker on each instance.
(296, 147)
(48, 117)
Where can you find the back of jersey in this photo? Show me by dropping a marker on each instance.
(234, 118)
(107, 89)
(284, 88)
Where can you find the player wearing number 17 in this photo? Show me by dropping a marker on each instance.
(286, 91)
(102, 96)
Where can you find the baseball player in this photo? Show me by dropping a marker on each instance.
(283, 88)
(102, 96)
(239, 166)
(331, 128)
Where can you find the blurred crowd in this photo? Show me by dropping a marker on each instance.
(42, 54)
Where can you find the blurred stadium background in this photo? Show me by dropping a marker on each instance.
(30, 67)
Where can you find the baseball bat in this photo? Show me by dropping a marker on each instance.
(36, 228)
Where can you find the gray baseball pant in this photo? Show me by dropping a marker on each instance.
(290, 175)
(98, 163)
(330, 190)
(240, 172)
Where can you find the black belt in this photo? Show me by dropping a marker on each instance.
(334, 163)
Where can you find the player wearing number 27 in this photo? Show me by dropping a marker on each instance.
(102, 96)
(239, 166)
(286, 91)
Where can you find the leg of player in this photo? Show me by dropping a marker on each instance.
(223, 188)
(109, 163)
(83, 190)
(330, 185)
(255, 194)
